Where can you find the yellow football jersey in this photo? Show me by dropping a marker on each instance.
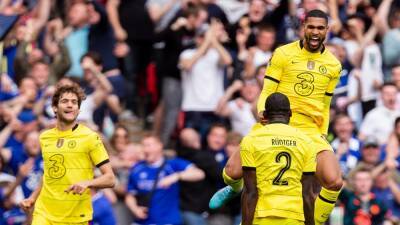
(306, 78)
(69, 157)
(280, 154)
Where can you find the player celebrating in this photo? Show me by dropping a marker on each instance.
(69, 152)
(307, 73)
(274, 157)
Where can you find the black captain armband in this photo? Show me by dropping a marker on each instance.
(272, 79)
(248, 168)
(309, 173)
(102, 163)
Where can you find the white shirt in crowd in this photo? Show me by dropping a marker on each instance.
(379, 122)
(261, 57)
(241, 116)
(371, 71)
(203, 84)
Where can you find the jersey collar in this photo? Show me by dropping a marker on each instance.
(302, 46)
(67, 132)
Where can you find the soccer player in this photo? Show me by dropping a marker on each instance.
(307, 73)
(274, 158)
(70, 151)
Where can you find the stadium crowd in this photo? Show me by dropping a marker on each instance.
(185, 76)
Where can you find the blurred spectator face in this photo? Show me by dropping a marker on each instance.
(196, 20)
(355, 24)
(35, 56)
(32, 145)
(28, 88)
(120, 139)
(396, 76)
(216, 139)
(40, 73)
(65, 82)
(343, 127)
(315, 32)
(395, 19)
(309, 5)
(88, 74)
(260, 75)
(257, 10)
(371, 155)
(250, 91)
(233, 143)
(388, 94)
(67, 109)
(362, 182)
(152, 148)
(382, 180)
(190, 138)
(78, 15)
(266, 40)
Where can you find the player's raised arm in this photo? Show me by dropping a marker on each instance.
(327, 100)
(272, 77)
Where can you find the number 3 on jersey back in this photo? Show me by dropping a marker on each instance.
(288, 160)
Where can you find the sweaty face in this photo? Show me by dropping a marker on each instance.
(67, 109)
(315, 30)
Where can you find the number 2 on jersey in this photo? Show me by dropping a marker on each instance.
(288, 159)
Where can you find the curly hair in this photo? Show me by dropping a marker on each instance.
(74, 88)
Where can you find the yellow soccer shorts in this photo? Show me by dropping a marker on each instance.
(41, 220)
(276, 221)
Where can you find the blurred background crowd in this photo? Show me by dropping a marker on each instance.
(179, 79)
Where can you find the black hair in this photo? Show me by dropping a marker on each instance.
(96, 57)
(386, 84)
(317, 13)
(277, 104)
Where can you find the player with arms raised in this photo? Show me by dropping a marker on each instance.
(70, 151)
(307, 73)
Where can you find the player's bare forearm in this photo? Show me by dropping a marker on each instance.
(106, 180)
(249, 196)
(249, 201)
(310, 191)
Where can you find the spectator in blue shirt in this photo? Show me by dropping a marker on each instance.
(346, 146)
(103, 213)
(163, 204)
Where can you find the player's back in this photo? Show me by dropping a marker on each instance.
(305, 78)
(280, 154)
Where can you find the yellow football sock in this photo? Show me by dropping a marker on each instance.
(237, 185)
(324, 205)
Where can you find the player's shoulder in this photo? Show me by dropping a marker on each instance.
(47, 133)
(85, 131)
(332, 58)
(288, 49)
(301, 136)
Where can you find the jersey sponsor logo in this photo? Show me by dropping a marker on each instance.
(60, 142)
(72, 144)
(305, 85)
(322, 69)
(57, 168)
(310, 65)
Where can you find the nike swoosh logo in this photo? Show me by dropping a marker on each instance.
(294, 62)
